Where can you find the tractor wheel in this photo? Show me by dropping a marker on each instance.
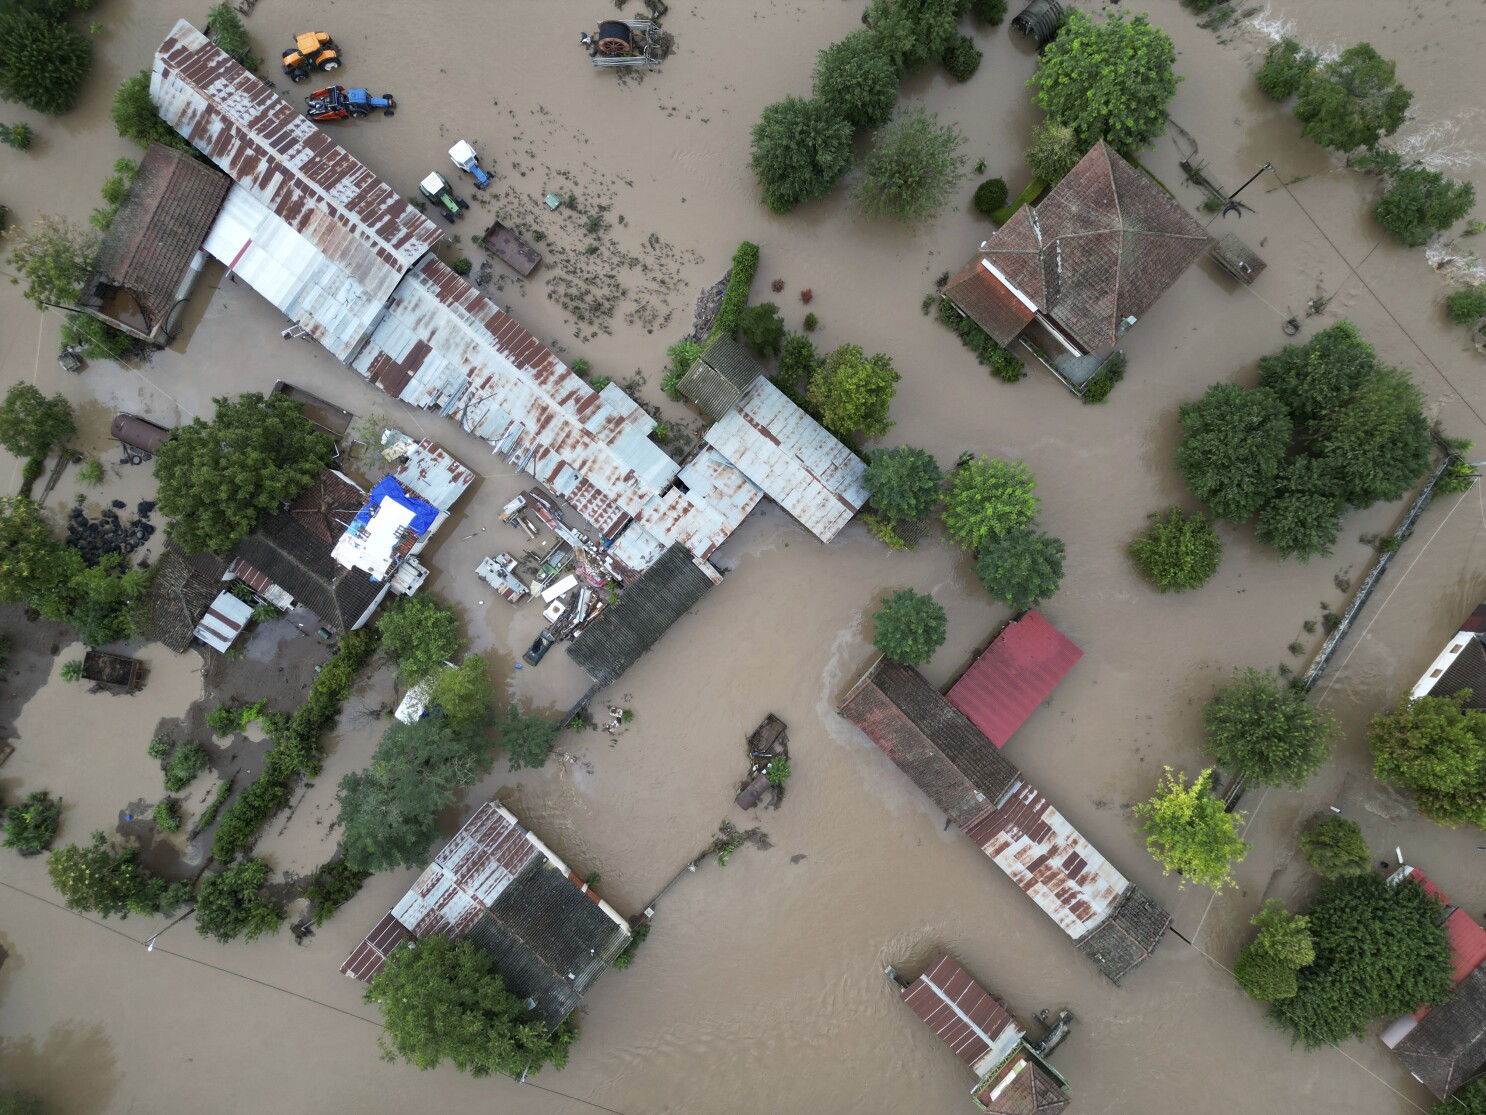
(461, 202)
(389, 112)
(333, 64)
(298, 76)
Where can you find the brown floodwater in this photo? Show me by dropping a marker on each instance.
(761, 987)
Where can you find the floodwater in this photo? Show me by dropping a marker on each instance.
(761, 988)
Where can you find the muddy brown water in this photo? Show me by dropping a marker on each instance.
(761, 987)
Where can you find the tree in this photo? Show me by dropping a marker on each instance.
(904, 483)
(856, 81)
(1233, 441)
(913, 33)
(1381, 952)
(989, 498)
(1020, 569)
(35, 568)
(215, 478)
(915, 165)
(443, 1000)
(227, 31)
(100, 879)
(464, 693)
(1335, 847)
(1055, 150)
(1178, 551)
(1376, 446)
(800, 149)
(1262, 977)
(991, 12)
(1285, 69)
(1352, 101)
(1318, 377)
(31, 424)
(135, 116)
(1283, 935)
(1470, 1100)
(1271, 733)
(527, 739)
(54, 257)
(97, 341)
(853, 392)
(762, 329)
(43, 61)
(798, 361)
(990, 196)
(230, 903)
(910, 627)
(419, 633)
(961, 57)
(1467, 306)
(1421, 202)
(1109, 81)
(1187, 831)
(1436, 747)
(1305, 515)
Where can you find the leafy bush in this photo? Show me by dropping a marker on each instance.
(990, 195)
(213, 807)
(1020, 569)
(777, 772)
(462, 266)
(637, 938)
(90, 472)
(186, 762)
(160, 748)
(97, 340)
(101, 879)
(800, 150)
(762, 329)
(735, 297)
(168, 815)
(913, 169)
(988, 499)
(1436, 747)
(910, 627)
(1285, 69)
(1335, 848)
(810, 323)
(1003, 364)
(961, 57)
(31, 826)
(228, 32)
(798, 361)
(1420, 202)
(1056, 149)
(16, 135)
(1098, 389)
(334, 884)
(72, 671)
(222, 720)
(1178, 551)
(988, 11)
(43, 61)
(229, 904)
(856, 81)
(1467, 306)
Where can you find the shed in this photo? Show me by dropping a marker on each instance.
(182, 587)
(1015, 674)
(963, 1015)
(1237, 258)
(1040, 20)
(719, 377)
(223, 622)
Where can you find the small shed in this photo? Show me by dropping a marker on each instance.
(1040, 20)
(719, 377)
(224, 622)
(1237, 258)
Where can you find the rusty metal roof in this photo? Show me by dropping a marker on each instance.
(1017, 672)
(792, 457)
(428, 470)
(367, 958)
(964, 1015)
(1050, 860)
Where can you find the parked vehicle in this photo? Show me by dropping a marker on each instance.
(312, 50)
(336, 102)
(539, 647)
(464, 157)
(436, 189)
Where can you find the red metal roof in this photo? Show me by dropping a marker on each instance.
(369, 956)
(963, 1014)
(1017, 672)
(1467, 937)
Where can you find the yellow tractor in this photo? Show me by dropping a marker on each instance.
(314, 50)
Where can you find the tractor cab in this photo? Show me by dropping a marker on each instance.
(436, 189)
(465, 158)
(313, 50)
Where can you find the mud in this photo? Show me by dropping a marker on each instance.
(760, 987)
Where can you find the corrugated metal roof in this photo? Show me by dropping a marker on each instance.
(789, 455)
(1017, 672)
(1467, 937)
(964, 1015)
(1050, 860)
(367, 958)
(719, 377)
(223, 622)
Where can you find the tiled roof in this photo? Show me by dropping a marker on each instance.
(298, 560)
(1124, 941)
(626, 629)
(1017, 672)
(719, 377)
(1448, 1045)
(989, 302)
(181, 589)
(327, 506)
(1022, 1087)
(1468, 671)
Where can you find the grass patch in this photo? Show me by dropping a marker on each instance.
(1034, 190)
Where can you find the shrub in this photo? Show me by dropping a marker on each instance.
(1335, 848)
(762, 329)
(102, 879)
(1055, 150)
(961, 57)
(334, 884)
(72, 671)
(213, 807)
(1285, 69)
(31, 826)
(222, 720)
(43, 61)
(988, 11)
(913, 169)
(16, 135)
(160, 748)
(990, 195)
(186, 762)
(853, 392)
(97, 340)
(1420, 202)
(800, 150)
(811, 322)
(462, 266)
(798, 361)
(168, 815)
(229, 904)
(1467, 306)
(90, 472)
(581, 367)
(735, 296)
(777, 772)
(1233, 443)
(855, 80)
(1178, 551)
(637, 937)
(1098, 389)
(227, 30)
(910, 627)
(682, 355)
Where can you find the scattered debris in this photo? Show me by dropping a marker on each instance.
(768, 757)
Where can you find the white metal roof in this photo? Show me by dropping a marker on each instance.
(223, 622)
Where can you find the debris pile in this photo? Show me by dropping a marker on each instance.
(768, 769)
(97, 538)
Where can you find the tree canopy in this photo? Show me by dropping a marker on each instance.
(135, 116)
(1376, 446)
(856, 81)
(1266, 968)
(1233, 442)
(1320, 376)
(1381, 952)
(762, 329)
(442, 1000)
(419, 633)
(1436, 747)
(1020, 569)
(1470, 1100)
(1272, 733)
(1109, 80)
(800, 149)
(32, 424)
(853, 392)
(1187, 831)
(43, 60)
(99, 878)
(904, 483)
(1352, 101)
(464, 693)
(1304, 516)
(527, 739)
(914, 167)
(54, 256)
(989, 498)
(913, 33)
(910, 627)
(1056, 149)
(215, 478)
(1335, 847)
(1178, 551)
(230, 904)
(1421, 202)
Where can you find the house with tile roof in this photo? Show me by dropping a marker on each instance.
(1461, 664)
(182, 588)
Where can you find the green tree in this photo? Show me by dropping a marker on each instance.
(1421, 202)
(800, 150)
(1381, 952)
(853, 391)
(215, 478)
(43, 61)
(1109, 81)
(1377, 446)
(419, 633)
(1233, 441)
(910, 627)
(135, 117)
(856, 81)
(54, 257)
(1178, 551)
(1335, 847)
(1470, 1100)
(1056, 149)
(1305, 515)
(1187, 831)
(913, 33)
(100, 879)
(915, 165)
(904, 483)
(961, 57)
(1286, 68)
(989, 498)
(31, 825)
(527, 739)
(14, 1102)
(31, 425)
(1352, 101)
(762, 329)
(97, 341)
(1436, 747)
(1271, 733)
(227, 31)
(1318, 377)
(230, 904)
(443, 1000)
(1020, 569)
(35, 568)
(990, 12)
(1283, 935)
(798, 361)
(1467, 306)
(1263, 978)
(464, 694)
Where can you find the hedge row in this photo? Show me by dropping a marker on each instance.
(735, 298)
(1003, 364)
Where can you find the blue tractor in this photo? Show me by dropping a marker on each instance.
(464, 157)
(336, 102)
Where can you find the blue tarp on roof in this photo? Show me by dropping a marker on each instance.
(424, 513)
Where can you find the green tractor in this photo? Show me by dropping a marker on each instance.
(436, 189)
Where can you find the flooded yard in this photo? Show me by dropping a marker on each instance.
(761, 986)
